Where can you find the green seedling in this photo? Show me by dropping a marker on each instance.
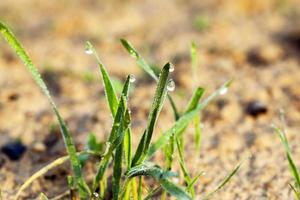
(128, 168)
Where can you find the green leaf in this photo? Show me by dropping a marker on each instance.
(110, 93)
(194, 180)
(155, 109)
(146, 67)
(112, 99)
(174, 190)
(149, 169)
(184, 120)
(183, 168)
(93, 144)
(139, 59)
(292, 165)
(191, 106)
(117, 171)
(296, 193)
(120, 126)
(43, 197)
(224, 182)
(69, 144)
(169, 153)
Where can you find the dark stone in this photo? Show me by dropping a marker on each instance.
(13, 97)
(256, 108)
(14, 150)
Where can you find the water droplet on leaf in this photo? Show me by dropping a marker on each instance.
(88, 49)
(223, 91)
(131, 79)
(96, 194)
(171, 85)
(172, 68)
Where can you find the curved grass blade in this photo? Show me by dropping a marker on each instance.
(110, 93)
(184, 120)
(193, 52)
(153, 192)
(43, 197)
(57, 162)
(184, 170)
(112, 99)
(296, 193)
(149, 169)
(194, 181)
(120, 126)
(174, 190)
(224, 182)
(144, 65)
(117, 169)
(169, 152)
(292, 165)
(191, 106)
(69, 144)
(155, 109)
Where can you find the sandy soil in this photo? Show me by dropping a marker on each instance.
(255, 42)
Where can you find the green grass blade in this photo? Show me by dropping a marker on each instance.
(153, 192)
(195, 99)
(194, 181)
(117, 171)
(69, 144)
(110, 92)
(114, 138)
(184, 120)
(194, 61)
(174, 190)
(292, 165)
(139, 59)
(127, 137)
(224, 182)
(146, 67)
(140, 188)
(169, 152)
(296, 193)
(155, 109)
(111, 98)
(198, 133)
(183, 168)
(43, 197)
(127, 148)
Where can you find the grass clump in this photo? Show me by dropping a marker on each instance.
(128, 168)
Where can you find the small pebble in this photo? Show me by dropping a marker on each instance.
(256, 108)
(14, 150)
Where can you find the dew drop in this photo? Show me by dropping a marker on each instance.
(172, 68)
(171, 85)
(131, 79)
(96, 194)
(223, 91)
(88, 49)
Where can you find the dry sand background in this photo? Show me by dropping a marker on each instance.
(255, 42)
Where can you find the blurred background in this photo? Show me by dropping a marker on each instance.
(255, 42)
